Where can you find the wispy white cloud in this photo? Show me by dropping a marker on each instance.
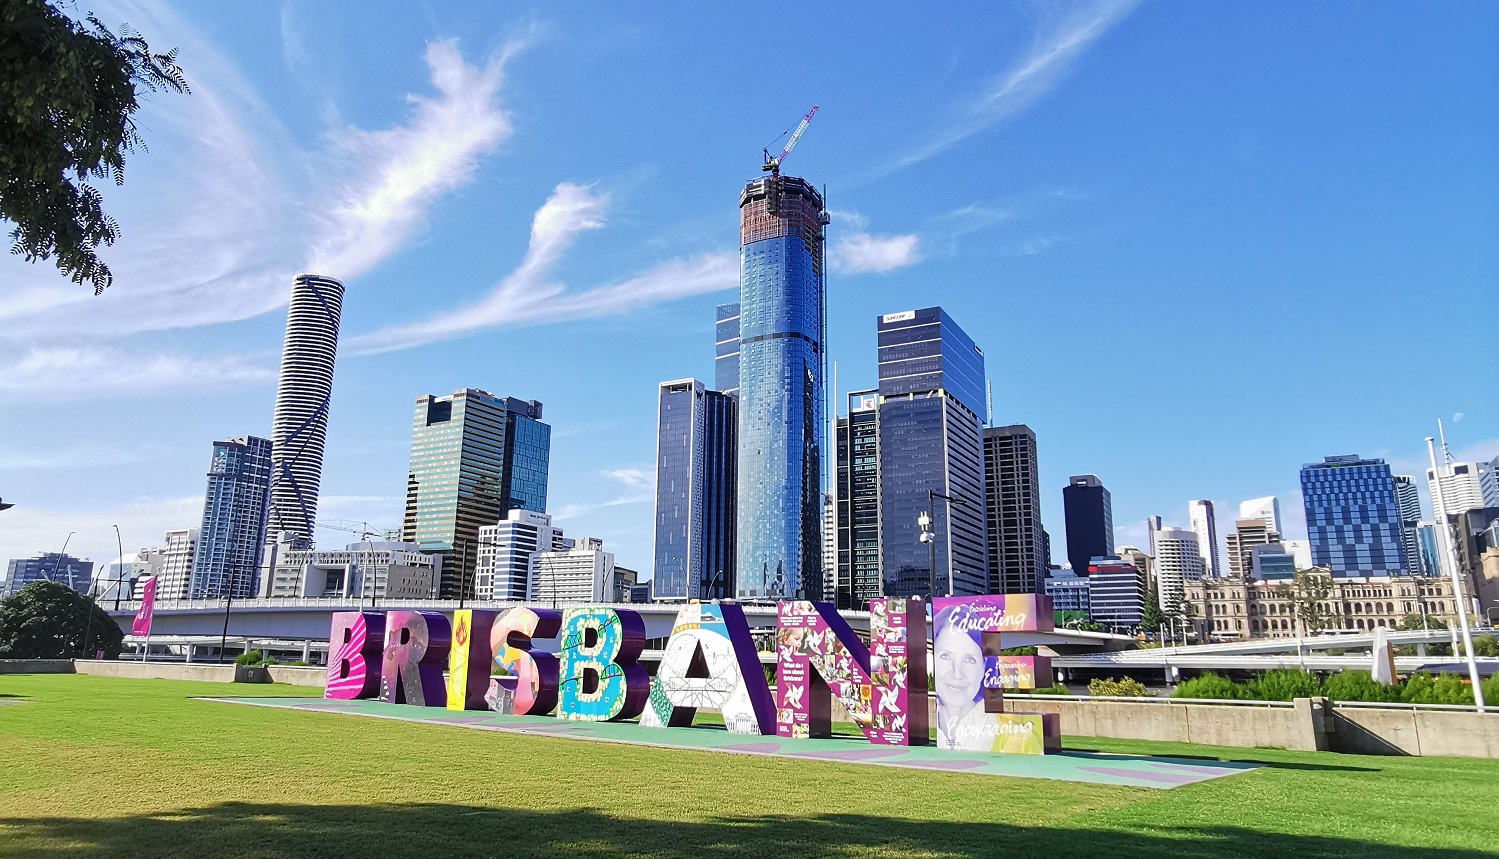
(639, 487)
(860, 252)
(29, 530)
(69, 371)
(1057, 47)
(528, 296)
(234, 207)
(403, 170)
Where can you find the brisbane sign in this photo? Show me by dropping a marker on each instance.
(711, 662)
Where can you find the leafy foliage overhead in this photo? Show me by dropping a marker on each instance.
(47, 620)
(67, 93)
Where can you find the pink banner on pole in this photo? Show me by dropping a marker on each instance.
(142, 623)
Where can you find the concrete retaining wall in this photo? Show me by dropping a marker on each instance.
(1207, 724)
(155, 670)
(36, 666)
(298, 676)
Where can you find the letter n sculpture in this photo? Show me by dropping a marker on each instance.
(972, 674)
(882, 687)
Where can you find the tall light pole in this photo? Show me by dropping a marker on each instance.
(1459, 596)
(927, 522)
(57, 563)
(119, 544)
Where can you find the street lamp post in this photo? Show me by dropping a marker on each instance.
(58, 562)
(927, 522)
(229, 601)
(119, 544)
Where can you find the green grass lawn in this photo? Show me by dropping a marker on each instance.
(102, 767)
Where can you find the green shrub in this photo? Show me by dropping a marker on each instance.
(1057, 689)
(249, 657)
(1486, 645)
(1124, 687)
(1209, 685)
(1441, 689)
(1282, 684)
(1351, 685)
(1491, 691)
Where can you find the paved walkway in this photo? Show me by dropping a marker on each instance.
(1130, 770)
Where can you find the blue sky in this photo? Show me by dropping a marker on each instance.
(1200, 244)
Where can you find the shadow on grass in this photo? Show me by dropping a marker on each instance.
(1249, 758)
(431, 829)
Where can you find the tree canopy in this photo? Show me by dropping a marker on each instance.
(68, 90)
(47, 620)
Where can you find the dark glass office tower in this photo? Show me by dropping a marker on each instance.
(695, 462)
(931, 396)
(232, 535)
(1090, 521)
(1017, 551)
(726, 349)
(474, 458)
(781, 336)
(858, 503)
(1353, 516)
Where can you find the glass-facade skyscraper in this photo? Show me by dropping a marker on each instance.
(931, 397)
(726, 349)
(782, 325)
(858, 503)
(1090, 520)
(235, 508)
(474, 458)
(1353, 516)
(695, 462)
(1017, 556)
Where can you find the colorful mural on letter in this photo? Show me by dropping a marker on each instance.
(531, 687)
(355, 640)
(599, 678)
(416, 651)
(818, 654)
(971, 674)
(469, 660)
(710, 661)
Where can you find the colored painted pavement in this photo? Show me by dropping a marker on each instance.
(1128, 770)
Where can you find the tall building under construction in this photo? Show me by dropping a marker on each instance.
(782, 336)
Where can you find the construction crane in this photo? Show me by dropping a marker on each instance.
(773, 165)
(362, 530)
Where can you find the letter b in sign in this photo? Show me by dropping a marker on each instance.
(354, 655)
(600, 679)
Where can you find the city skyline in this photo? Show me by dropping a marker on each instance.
(210, 359)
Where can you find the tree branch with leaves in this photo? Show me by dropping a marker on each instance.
(1307, 592)
(68, 91)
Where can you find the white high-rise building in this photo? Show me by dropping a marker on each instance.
(176, 576)
(1300, 551)
(1266, 509)
(118, 577)
(1205, 526)
(1466, 485)
(299, 425)
(503, 571)
(392, 570)
(583, 573)
(1152, 525)
(1178, 560)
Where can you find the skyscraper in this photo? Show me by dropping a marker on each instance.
(1247, 534)
(299, 425)
(505, 552)
(931, 399)
(858, 503)
(474, 458)
(695, 461)
(1267, 509)
(177, 564)
(232, 534)
(1205, 526)
(1466, 485)
(1408, 502)
(1352, 519)
(1178, 560)
(47, 567)
(782, 325)
(1090, 520)
(1013, 507)
(726, 349)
